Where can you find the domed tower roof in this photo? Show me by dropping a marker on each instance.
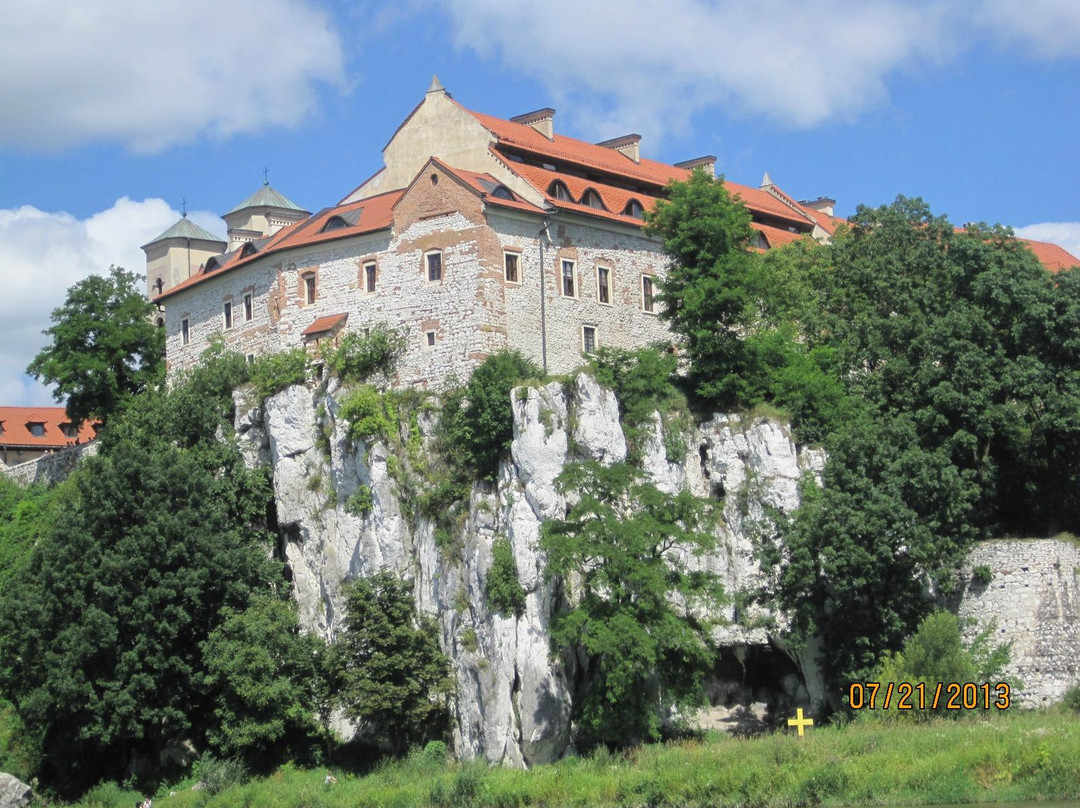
(268, 197)
(185, 228)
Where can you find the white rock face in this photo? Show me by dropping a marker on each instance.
(13, 792)
(513, 699)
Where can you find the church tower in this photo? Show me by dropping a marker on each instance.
(177, 254)
(262, 214)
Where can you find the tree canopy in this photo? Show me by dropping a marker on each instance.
(104, 347)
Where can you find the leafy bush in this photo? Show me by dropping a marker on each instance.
(478, 420)
(359, 357)
(643, 380)
(272, 373)
(937, 652)
(982, 574)
(393, 677)
(107, 794)
(216, 774)
(504, 591)
(361, 502)
(370, 414)
(1071, 699)
(18, 752)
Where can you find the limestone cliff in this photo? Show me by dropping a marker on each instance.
(513, 701)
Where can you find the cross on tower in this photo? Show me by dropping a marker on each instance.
(266, 175)
(183, 206)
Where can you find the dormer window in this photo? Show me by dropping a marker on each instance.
(559, 190)
(37, 429)
(502, 192)
(69, 430)
(635, 209)
(335, 223)
(592, 199)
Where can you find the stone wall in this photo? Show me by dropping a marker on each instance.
(51, 468)
(1034, 595)
(473, 311)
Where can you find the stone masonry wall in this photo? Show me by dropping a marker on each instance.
(51, 468)
(1034, 594)
(473, 310)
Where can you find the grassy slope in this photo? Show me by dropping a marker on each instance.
(999, 758)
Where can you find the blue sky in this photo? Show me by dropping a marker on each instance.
(115, 113)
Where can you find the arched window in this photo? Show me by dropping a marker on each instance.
(635, 209)
(592, 199)
(559, 190)
(334, 223)
(502, 192)
(247, 249)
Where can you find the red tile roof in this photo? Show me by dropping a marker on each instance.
(15, 428)
(375, 213)
(1051, 256)
(777, 237)
(484, 184)
(324, 324)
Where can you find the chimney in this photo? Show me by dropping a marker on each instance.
(627, 144)
(822, 204)
(708, 162)
(542, 120)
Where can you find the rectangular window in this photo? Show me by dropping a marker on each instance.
(185, 331)
(249, 310)
(226, 315)
(430, 336)
(568, 278)
(369, 277)
(434, 266)
(647, 303)
(309, 289)
(588, 338)
(251, 359)
(37, 430)
(603, 285)
(510, 265)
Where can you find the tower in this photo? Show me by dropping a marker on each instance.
(177, 253)
(262, 214)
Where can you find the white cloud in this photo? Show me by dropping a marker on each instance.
(1064, 234)
(1047, 28)
(151, 74)
(660, 62)
(42, 254)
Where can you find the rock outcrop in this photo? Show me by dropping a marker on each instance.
(14, 793)
(513, 697)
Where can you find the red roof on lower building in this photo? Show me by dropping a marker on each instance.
(324, 324)
(41, 428)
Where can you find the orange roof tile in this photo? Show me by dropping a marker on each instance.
(15, 428)
(484, 185)
(778, 237)
(1051, 256)
(324, 324)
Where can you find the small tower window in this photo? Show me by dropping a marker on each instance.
(434, 266)
(568, 284)
(603, 285)
(226, 315)
(429, 339)
(185, 331)
(249, 309)
(510, 267)
(588, 338)
(370, 276)
(309, 288)
(647, 302)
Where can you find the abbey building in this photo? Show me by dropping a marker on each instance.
(478, 234)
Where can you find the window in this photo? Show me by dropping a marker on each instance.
(185, 331)
(510, 267)
(37, 429)
(603, 285)
(251, 359)
(592, 199)
(559, 190)
(249, 310)
(567, 278)
(69, 430)
(369, 277)
(429, 336)
(226, 315)
(634, 208)
(588, 338)
(309, 289)
(647, 303)
(434, 266)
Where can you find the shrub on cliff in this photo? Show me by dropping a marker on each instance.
(361, 357)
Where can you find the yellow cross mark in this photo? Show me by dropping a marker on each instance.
(800, 722)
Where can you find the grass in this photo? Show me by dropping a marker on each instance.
(1004, 757)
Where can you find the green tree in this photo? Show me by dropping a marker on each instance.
(638, 616)
(100, 644)
(393, 677)
(504, 591)
(708, 292)
(262, 671)
(104, 347)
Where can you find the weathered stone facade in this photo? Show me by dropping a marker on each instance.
(1034, 597)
